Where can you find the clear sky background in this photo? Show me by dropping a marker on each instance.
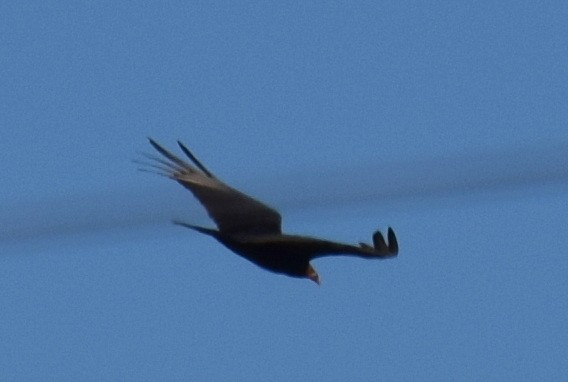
(444, 120)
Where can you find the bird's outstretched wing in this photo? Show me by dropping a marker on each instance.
(232, 211)
(379, 249)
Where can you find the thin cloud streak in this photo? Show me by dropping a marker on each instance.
(432, 177)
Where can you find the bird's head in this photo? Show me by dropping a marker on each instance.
(312, 274)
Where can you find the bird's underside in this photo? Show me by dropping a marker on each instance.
(253, 230)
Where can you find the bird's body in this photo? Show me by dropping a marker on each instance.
(286, 254)
(281, 253)
(252, 229)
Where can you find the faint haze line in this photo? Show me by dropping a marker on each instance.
(438, 176)
(391, 180)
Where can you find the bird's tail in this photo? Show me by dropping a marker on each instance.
(203, 230)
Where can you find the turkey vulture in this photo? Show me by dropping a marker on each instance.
(251, 229)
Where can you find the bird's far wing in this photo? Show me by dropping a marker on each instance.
(231, 210)
(379, 249)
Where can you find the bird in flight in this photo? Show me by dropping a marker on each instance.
(252, 229)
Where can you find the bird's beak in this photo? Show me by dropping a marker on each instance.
(313, 275)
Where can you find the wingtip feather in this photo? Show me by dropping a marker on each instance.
(194, 159)
(393, 242)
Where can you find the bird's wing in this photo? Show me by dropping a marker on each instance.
(232, 211)
(380, 248)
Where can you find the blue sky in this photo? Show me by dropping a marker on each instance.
(446, 121)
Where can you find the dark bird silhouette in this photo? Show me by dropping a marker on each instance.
(253, 230)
